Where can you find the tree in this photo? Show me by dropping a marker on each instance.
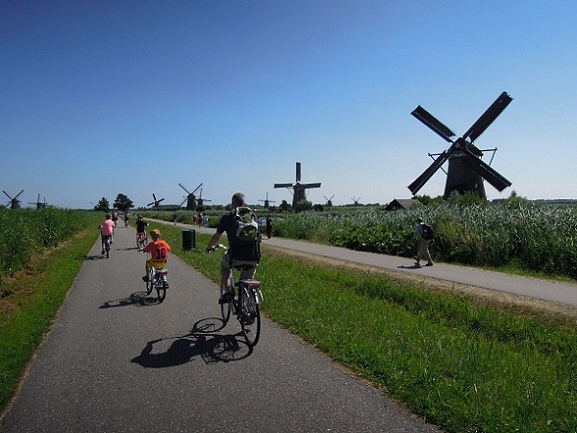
(303, 205)
(123, 203)
(103, 205)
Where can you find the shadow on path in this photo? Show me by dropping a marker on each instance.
(202, 341)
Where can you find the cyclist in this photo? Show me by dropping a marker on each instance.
(106, 231)
(140, 227)
(158, 250)
(238, 253)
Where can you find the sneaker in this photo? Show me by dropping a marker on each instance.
(225, 298)
(145, 278)
(429, 264)
(102, 252)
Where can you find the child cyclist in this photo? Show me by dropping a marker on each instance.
(140, 228)
(158, 250)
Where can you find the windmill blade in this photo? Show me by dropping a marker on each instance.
(485, 170)
(7, 195)
(429, 120)
(182, 186)
(159, 201)
(183, 201)
(150, 204)
(298, 172)
(488, 117)
(196, 189)
(310, 185)
(18, 194)
(429, 172)
(283, 185)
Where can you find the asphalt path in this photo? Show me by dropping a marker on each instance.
(118, 361)
(547, 290)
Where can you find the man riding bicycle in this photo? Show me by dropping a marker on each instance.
(158, 250)
(240, 252)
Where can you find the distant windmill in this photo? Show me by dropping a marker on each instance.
(13, 202)
(355, 201)
(329, 200)
(156, 202)
(39, 204)
(299, 189)
(466, 168)
(267, 202)
(190, 198)
(201, 200)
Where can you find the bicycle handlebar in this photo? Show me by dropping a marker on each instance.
(217, 247)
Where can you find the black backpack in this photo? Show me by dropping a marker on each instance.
(428, 232)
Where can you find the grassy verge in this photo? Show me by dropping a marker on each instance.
(458, 362)
(30, 302)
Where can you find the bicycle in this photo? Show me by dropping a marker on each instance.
(245, 304)
(106, 245)
(141, 240)
(157, 279)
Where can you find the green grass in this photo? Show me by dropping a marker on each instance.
(30, 302)
(459, 363)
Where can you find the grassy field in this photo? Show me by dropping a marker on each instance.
(460, 362)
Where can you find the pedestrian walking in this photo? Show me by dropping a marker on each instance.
(426, 235)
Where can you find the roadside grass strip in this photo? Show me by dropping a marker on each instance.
(455, 361)
(30, 301)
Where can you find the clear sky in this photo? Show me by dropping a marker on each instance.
(105, 97)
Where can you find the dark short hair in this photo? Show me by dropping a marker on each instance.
(238, 199)
(419, 220)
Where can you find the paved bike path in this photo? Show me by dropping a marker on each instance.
(117, 361)
(547, 290)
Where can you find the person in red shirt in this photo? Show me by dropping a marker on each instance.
(158, 250)
(106, 232)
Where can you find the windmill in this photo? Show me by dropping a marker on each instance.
(190, 198)
(39, 204)
(466, 168)
(329, 200)
(156, 202)
(267, 202)
(355, 201)
(299, 189)
(13, 202)
(201, 200)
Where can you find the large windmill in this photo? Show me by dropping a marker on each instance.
(466, 168)
(267, 202)
(190, 198)
(13, 202)
(156, 201)
(39, 204)
(299, 189)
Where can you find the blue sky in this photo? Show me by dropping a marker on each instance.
(135, 97)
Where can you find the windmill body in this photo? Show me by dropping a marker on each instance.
(299, 189)
(190, 199)
(467, 171)
(156, 201)
(13, 202)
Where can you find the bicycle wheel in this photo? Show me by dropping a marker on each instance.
(249, 316)
(150, 283)
(225, 310)
(161, 290)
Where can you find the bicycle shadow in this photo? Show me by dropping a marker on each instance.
(137, 299)
(95, 257)
(203, 342)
